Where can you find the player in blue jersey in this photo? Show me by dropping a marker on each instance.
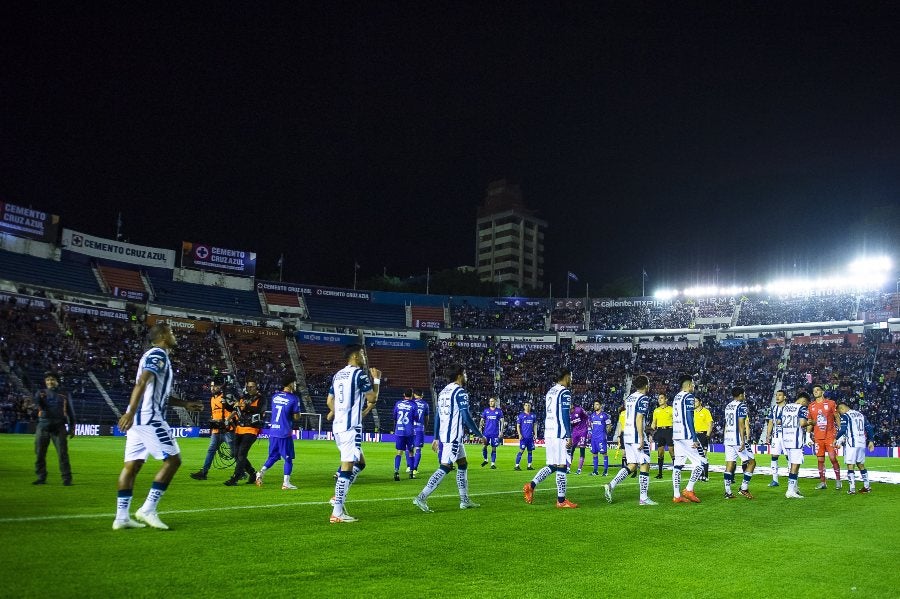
(285, 413)
(601, 425)
(351, 397)
(557, 439)
(405, 415)
(738, 444)
(148, 433)
(492, 423)
(773, 433)
(450, 418)
(423, 409)
(637, 452)
(686, 441)
(794, 420)
(852, 435)
(525, 430)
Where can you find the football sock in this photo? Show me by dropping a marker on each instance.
(596, 462)
(493, 456)
(357, 468)
(864, 474)
(560, 485)
(541, 475)
(156, 492)
(484, 453)
(676, 481)
(696, 473)
(659, 464)
(518, 458)
(433, 482)
(340, 492)
(746, 483)
(287, 479)
(622, 475)
(644, 481)
(462, 483)
(729, 478)
(529, 457)
(123, 504)
(775, 469)
(605, 463)
(288, 466)
(396, 462)
(822, 468)
(792, 482)
(851, 479)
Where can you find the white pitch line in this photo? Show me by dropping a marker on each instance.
(885, 477)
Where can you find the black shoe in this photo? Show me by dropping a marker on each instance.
(530, 468)
(198, 475)
(517, 468)
(67, 482)
(484, 463)
(251, 480)
(40, 481)
(412, 475)
(658, 475)
(396, 475)
(230, 483)
(493, 466)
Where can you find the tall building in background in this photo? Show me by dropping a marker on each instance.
(509, 239)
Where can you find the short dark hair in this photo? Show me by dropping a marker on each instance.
(455, 371)
(737, 391)
(51, 374)
(408, 393)
(803, 395)
(641, 381)
(158, 330)
(562, 373)
(351, 349)
(684, 378)
(819, 385)
(288, 379)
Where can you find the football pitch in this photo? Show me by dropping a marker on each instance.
(249, 541)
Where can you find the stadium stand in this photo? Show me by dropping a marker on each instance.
(356, 313)
(427, 314)
(204, 297)
(782, 310)
(70, 276)
(260, 353)
(121, 278)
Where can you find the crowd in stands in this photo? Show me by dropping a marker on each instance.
(772, 310)
(519, 318)
(672, 315)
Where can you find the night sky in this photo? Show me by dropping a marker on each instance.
(738, 141)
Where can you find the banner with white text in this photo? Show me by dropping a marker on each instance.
(224, 260)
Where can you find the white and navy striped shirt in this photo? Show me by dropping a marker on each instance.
(792, 431)
(853, 427)
(683, 417)
(349, 387)
(775, 416)
(734, 411)
(155, 400)
(636, 403)
(452, 407)
(557, 402)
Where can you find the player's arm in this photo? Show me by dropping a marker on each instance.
(870, 436)
(639, 424)
(462, 401)
(842, 430)
(566, 404)
(127, 419)
(329, 401)
(435, 443)
(372, 393)
(770, 424)
(518, 430)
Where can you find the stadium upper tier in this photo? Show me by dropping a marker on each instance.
(398, 310)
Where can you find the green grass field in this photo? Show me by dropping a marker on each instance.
(58, 541)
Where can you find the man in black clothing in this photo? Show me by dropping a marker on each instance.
(55, 412)
(249, 420)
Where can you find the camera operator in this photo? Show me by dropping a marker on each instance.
(219, 429)
(54, 413)
(248, 416)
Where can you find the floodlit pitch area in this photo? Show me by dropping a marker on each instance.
(249, 541)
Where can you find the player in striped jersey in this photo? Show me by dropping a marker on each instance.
(852, 435)
(794, 419)
(351, 397)
(450, 418)
(637, 455)
(557, 439)
(773, 433)
(148, 433)
(738, 443)
(686, 442)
